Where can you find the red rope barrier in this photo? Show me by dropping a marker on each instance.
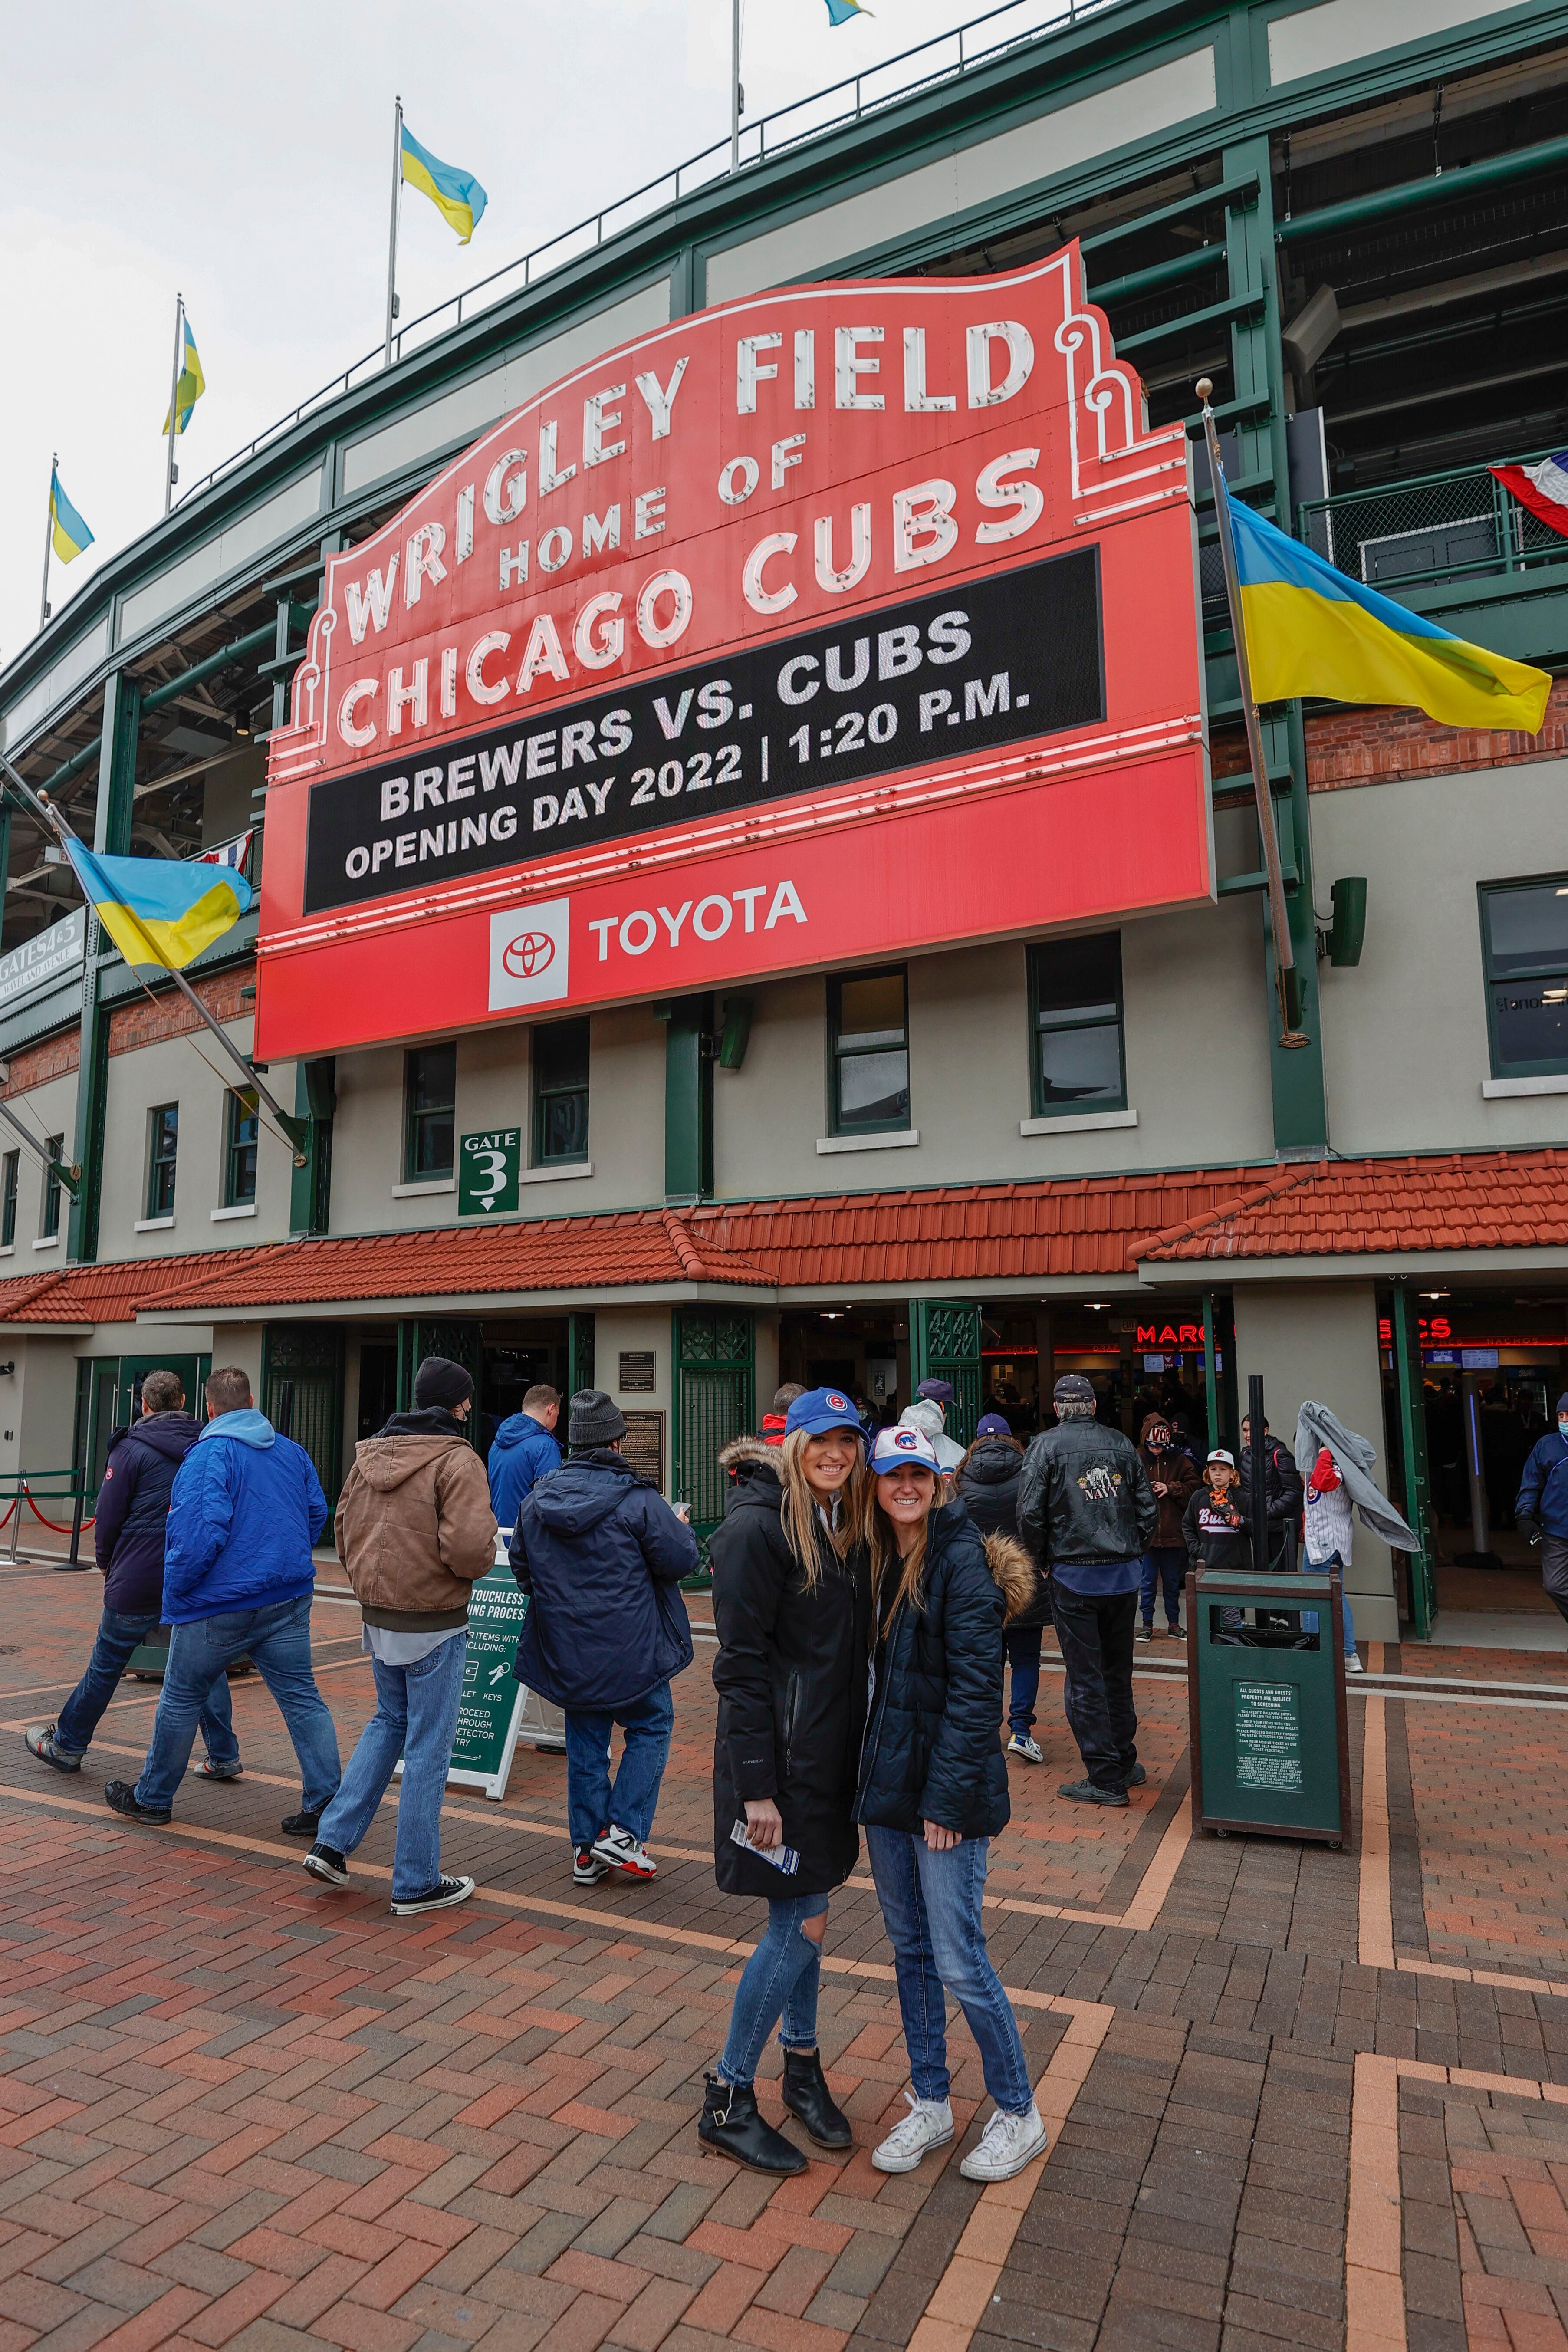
(48, 1523)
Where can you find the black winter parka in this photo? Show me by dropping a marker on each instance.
(791, 1675)
(987, 1485)
(933, 1747)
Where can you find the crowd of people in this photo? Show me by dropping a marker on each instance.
(874, 1590)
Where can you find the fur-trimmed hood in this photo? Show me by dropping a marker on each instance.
(1012, 1571)
(748, 1449)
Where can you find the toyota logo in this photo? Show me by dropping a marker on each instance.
(529, 954)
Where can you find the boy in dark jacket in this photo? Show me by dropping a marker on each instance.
(601, 1555)
(1088, 1511)
(1172, 1474)
(128, 1534)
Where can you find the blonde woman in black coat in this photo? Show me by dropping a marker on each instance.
(792, 1604)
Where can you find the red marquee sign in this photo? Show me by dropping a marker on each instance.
(834, 623)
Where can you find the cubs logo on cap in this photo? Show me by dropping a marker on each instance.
(903, 1445)
(838, 1404)
(819, 1410)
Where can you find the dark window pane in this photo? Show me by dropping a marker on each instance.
(1529, 928)
(433, 1135)
(874, 1088)
(564, 1127)
(432, 1088)
(1078, 975)
(8, 1211)
(243, 1128)
(1531, 1018)
(54, 1147)
(1081, 1065)
(561, 1056)
(871, 1011)
(165, 1132)
(433, 1078)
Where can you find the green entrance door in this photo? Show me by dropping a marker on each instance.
(715, 1382)
(945, 1344)
(109, 1397)
(302, 1392)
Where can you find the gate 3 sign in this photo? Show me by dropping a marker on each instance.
(488, 1165)
(739, 651)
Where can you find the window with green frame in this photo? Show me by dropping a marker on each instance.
(163, 1150)
(1077, 1056)
(55, 1147)
(560, 1092)
(430, 1113)
(1525, 945)
(868, 1051)
(241, 1130)
(10, 1179)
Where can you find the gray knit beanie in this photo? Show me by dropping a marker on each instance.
(595, 1419)
(1073, 1397)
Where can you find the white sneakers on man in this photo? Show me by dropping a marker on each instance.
(1006, 2145)
(929, 2123)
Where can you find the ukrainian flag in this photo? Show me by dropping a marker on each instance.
(191, 385)
(457, 196)
(840, 11)
(71, 533)
(160, 911)
(1312, 631)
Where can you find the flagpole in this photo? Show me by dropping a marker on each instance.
(1287, 977)
(392, 239)
(42, 806)
(734, 85)
(49, 539)
(170, 472)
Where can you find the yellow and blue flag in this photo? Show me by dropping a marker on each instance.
(1312, 631)
(457, 196)
(71, 534)
(840, 11)
(160, 911)
(190, 386)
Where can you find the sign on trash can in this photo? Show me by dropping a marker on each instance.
(1266, 1687)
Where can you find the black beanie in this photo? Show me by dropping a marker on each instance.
(440, 1381)
(595, 1419)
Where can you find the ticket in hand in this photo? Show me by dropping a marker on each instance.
(783, 1857)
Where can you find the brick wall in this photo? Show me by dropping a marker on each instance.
(144, 1021)
(1381, 747)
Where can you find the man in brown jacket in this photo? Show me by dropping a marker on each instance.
(415, 1529)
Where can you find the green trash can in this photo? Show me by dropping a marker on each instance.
(1270, 1736)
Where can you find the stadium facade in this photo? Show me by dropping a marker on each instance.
(1040, 976)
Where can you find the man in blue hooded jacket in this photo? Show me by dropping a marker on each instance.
(1540, 1508)
(246, 1508)
(601, 1554)
(523, 1449)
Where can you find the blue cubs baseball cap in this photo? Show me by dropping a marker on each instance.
(902, 1448)
(820, 1410)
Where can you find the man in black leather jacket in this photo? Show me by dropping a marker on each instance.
(1086, 1509)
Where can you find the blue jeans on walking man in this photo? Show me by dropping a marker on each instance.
(118, 1637)
(278, 1641)
(592, 1803)
(930, 1908)
(416, 1717)
(780, 1983)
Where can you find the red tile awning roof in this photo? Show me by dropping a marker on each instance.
(1335, 1208)
(1090, 1228)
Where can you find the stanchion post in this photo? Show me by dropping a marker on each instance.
(16, 1524)
(76, 1529)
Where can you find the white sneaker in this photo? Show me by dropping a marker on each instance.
(1353, 1663)
(1006, 2145)
(1030, 1749)
(929, 2123)
(623, 1851)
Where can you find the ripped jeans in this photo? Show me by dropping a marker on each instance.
(780, 1979)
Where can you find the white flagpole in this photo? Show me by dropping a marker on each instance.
(392, 239)
(49, 539)
(734, 85)
(172, 472)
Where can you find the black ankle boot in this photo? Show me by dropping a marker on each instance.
(806, 2095)
(730, 2122)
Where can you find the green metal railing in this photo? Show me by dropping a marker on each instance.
(1457, 525)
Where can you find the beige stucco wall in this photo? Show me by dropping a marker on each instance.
(44, 1111)
(1320, 1340)
(186, 1071)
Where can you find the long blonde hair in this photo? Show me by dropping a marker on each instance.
(876, 1534)
(803, 1527)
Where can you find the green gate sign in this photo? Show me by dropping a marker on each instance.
(1269, 1738)
(488, 1171)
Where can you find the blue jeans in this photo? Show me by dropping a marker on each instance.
(416, 1717)
(1164, 1566)
(930, 1908)
(278, 1642)
(119, 1636)
(591, 1803)
(781, 1979)
(1022, 1643)
(1310, 1616)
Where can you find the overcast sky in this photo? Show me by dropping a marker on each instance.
(241, 153)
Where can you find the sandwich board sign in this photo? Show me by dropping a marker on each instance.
(490, 1712)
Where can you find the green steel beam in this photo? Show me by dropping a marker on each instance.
(687, 1100)
(1236, 307)
(1438, 188)
(1240, 189)
(111, 837)
(1158, 274)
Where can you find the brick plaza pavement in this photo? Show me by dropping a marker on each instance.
(1296, 2097)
